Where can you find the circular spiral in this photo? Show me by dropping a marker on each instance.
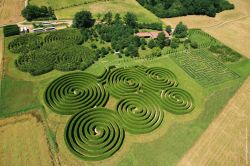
(140, 113)
(160, 78)
(94, 134)
(124, 81)
(177, 101)
(75, 92)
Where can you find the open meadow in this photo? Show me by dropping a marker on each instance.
(102, 7)
(10, 11)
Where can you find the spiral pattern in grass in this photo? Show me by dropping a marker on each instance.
(140, 113)
(160, 78)
(177, 101)
(94, 134)
(124, 81)
(75, 92)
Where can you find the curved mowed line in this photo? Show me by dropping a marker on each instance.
(177, 101)
(74, 92)
(94, 134)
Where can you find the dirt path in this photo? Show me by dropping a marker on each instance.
(227, 139)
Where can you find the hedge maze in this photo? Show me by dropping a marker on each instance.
(143, 94)
(94, 134)
(74, 92)
(56, 50)
(205, 69)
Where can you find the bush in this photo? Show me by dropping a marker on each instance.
(174, 43)
(156, 52)
(11, 30)
(93, 45)
(194, 45)
(151, 44)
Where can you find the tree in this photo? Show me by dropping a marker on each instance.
(131, 51)
(131, 20)
(151, 44)
(32, 12)
(117, 19)
(181, 30)
(108, 18)
(169, 29)
(83, 19)
(156, 52)
(174, 43)
(161, 40)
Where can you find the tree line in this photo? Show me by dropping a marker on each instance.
(174, 8)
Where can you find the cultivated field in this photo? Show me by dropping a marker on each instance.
(226, 141)
(10, 11)
(230, 27)
(23, 141)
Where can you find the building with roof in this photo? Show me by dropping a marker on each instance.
(152, 35)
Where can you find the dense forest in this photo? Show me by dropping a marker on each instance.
(174, 8)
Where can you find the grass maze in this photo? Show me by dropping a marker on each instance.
(75, 92)
(94, 132)
(203, 68)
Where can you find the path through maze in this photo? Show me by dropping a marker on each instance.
(143, 94)
(202, 67)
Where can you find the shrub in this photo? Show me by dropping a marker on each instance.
(151, 44)
(174, 43)
(156, 52)
(194, 44)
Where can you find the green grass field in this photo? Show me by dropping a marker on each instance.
(165, 145)
(99, 7)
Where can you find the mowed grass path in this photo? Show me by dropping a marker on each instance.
(115, 6)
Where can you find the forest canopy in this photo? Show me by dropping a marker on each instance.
(174, 8)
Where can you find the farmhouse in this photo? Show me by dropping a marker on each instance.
(152, 35)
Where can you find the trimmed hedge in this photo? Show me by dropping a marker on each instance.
(143, 93)
(11, 30)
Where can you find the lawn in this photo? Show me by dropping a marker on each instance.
(115, 6)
